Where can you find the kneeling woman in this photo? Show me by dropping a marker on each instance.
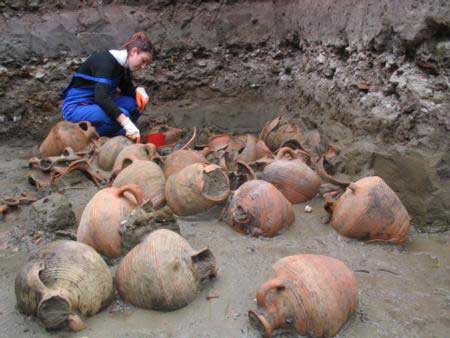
(91, 95)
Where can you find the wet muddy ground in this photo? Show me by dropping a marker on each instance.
(404, 291)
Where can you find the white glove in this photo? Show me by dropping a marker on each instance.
(141, 98)
(131, 130)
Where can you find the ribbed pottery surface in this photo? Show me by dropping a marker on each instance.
(157, 273)
(110, 150)
(180, 159)
(149, 177)
(67, 134)
(133, 151)
(185, 193)
(370, 210)
(318, 293)
(100, 221)
(258, 208)
(298, 182)
(284, 131)
(72, 266)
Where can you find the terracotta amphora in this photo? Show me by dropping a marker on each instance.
(67, 134)
(312, 294)
(62, 281)
(100, 221)
(163, 272)
(196, 188)
(148, 176)
(109, 151)
(369, 210)
(259, 209)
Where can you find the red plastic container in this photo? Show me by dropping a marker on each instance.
(157, 139)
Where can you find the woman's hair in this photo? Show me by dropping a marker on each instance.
(140, 41)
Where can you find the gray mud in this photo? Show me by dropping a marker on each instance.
(404, 291)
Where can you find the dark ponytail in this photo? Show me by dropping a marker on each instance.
(140, 41)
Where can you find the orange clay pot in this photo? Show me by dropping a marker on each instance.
(100, 221)
(196, 188)
(180, 159)
(109, 151)
(262, 150)
(279, 131)
(163, 272)
(67, 134)
(136, 151)
(61, 281)
(259, 209)
(248, 153)
(312, 294)
(171, 135)
(298, 182)
(219, 141)
(369, 210)
(148, 176)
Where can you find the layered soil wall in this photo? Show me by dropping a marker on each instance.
(372, 76)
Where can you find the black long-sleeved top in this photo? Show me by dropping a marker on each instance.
(104, 65)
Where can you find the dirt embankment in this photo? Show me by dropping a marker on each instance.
(372, 76)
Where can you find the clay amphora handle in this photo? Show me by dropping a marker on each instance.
(126, 161)
(286, 150)
(261, 322)
(33, 280)
(88, 130)
(276, 283)
(268, 128)
(320, 170)
(68, 152)
(134, 190)
(303, 155)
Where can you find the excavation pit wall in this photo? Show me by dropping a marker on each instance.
(371, 76)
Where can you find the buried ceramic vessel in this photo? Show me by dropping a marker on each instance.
(163, 272)
(180, 159)
(369, 210)
(279, 131)
(133, 151)
(294, 178)
(259, 209)
(196, 188)
(248, 153)
(148, 176)
(61, 281)
(312, 294)
(68, 134)
(109, 151)
(100, 221)
(220, 141)
(262, 150)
